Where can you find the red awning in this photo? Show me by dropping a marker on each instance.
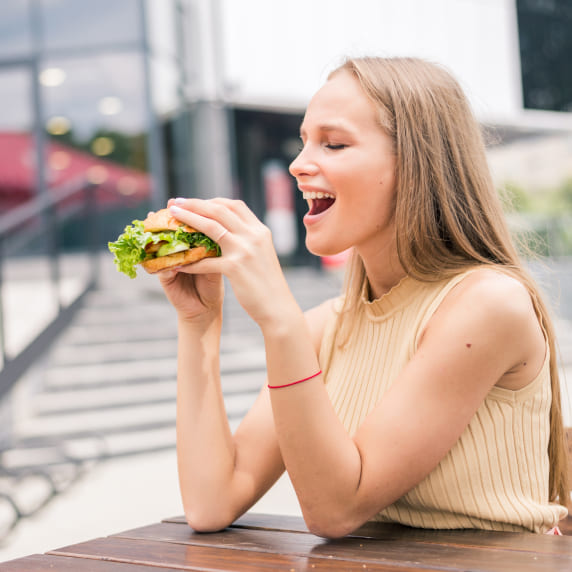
(63, 164)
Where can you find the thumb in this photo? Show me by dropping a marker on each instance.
(167, 276)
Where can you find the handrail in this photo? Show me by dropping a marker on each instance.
(19, 215)
(48, 208)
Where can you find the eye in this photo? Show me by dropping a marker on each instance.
(335, 146)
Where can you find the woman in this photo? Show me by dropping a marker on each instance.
(428, 394)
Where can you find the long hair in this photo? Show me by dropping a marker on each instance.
(448, 215)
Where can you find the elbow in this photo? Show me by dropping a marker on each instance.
(329, 526)
(329, 530)
(207, 521)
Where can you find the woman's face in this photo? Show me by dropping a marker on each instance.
(346, 170)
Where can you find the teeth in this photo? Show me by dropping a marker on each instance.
(316, 195)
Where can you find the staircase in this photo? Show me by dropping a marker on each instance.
(106, 389)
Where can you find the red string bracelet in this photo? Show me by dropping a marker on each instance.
(295, 382)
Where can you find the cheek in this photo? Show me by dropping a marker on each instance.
(382, 201)
(387, 185)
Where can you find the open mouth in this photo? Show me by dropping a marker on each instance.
(318, 202)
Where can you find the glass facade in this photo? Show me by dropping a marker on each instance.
(92, 92)
(80, 24)
(15, 28)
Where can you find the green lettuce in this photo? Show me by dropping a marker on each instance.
(129, 248)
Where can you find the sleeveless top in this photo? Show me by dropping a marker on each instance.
(496, 475)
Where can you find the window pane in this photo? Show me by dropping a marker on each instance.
(15, 33)
(96, 93)
(97, 126)
(85, 23)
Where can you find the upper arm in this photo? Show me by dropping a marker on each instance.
(485, 328)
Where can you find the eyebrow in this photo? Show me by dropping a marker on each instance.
(327, 127)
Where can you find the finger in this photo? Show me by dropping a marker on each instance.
(218, 238)
(204, 266)
(240, 208)
(206, 225)
(167, 276)
(232, 214)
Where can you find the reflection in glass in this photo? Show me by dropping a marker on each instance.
(58, 125)
(15, 99)
(97, 129)
(85, 23)
(52, 77)
(101, 97)
(110, 105)
(15, 30)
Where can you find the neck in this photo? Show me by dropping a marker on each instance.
(383, 271)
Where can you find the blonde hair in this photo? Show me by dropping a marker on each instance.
(448, 215)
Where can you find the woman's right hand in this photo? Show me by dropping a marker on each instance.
(196, 297)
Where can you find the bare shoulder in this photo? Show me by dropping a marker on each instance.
(493, 293)
(494, 311)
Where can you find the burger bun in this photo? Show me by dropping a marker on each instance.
(177, 259)
(163, 220)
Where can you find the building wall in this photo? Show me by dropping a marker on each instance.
(278, 53)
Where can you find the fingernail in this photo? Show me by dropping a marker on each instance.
(179, 200)
(174, 209)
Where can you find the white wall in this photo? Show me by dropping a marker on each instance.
(277, 52)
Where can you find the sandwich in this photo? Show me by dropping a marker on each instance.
(159, 242)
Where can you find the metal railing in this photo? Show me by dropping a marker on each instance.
(41, 218)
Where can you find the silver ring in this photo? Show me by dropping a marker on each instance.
(221, 235)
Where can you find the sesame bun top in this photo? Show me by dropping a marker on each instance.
(163, 220)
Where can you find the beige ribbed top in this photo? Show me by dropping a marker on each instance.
(496, 475)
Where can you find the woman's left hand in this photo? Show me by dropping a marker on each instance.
(248, 259)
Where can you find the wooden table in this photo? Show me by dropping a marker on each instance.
(263, 542)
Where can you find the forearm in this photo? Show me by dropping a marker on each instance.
(321, 458)
(205, 450)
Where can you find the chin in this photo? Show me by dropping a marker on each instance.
(315, 248)
(318, 249)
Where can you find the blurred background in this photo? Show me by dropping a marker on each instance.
(109, 108)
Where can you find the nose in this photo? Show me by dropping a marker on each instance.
(303, 164)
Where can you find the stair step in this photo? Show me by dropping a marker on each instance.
(134, 314)
(78, 334)
(161, 391)
(121, 419)
(141, 369)
(127, 349)
(115, 352)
